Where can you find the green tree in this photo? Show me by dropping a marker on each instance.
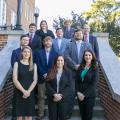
(78, 21)
(104, 16)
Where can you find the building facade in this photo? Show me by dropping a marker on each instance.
(8, 13)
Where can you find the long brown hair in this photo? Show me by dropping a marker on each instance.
(93, 62)
(52, 73)
(43, 21)
(30, 59)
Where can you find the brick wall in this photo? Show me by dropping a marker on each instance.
(12, 5)
(111, 106)
(3, 41)
(6, 98)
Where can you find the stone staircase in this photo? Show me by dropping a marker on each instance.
(98, 113)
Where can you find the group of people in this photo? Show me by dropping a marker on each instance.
(62, 68)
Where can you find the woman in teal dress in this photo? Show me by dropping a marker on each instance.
(87, 76)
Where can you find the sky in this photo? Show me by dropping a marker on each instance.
(52, 9)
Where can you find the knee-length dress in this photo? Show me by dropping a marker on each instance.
(21, 106)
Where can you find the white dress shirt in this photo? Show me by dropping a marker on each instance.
(47, 55)
(59, 73)
(78, 43)
(87, 38)
(59, 42)
(32, 34)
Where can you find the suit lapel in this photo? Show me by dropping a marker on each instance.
(62, 81)
(50, 56)
(88, 74)
(81, 52)
(75, 49)
(56, 44)
(45, 57)
(62, 44)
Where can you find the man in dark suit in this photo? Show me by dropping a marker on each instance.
(34, 40)
(73, 55)
(88, 38)
(68, 30)
(44, 59)
(24, 41)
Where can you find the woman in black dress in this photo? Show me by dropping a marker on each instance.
(24, 79)
(87, 77)
(58, 89)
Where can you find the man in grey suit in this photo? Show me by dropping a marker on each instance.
(73, 56)
(75, 49)
(60, 43)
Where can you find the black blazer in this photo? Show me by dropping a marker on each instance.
(43, 35)
(88, 86)
(15, 57)
(36, 42)
(64, 86)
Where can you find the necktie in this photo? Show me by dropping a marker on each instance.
(86, 38)
(30, 38)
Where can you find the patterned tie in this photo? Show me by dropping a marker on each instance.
(30, 39)
(86, 38)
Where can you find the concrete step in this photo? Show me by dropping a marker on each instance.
(97, 112)
(97, 101)
(72, 118)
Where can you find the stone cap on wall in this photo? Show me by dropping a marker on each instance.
(5, 54)
(110, 64)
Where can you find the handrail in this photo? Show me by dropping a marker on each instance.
(7, 27)
(110, 65)
(5, 55)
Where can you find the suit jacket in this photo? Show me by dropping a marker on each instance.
(94, 45)
(71, 53)
(41, 61)
(15, 56)
(88, 85)
(63, 46)
(36, 42)
(43, 35)
(64, 85)
(68, 34)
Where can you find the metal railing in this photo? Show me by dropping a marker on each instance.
(7, 27)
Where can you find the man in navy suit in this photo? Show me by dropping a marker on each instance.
(34, 40)
(24, 41)
(68, 30)
(44, 59)
(88, 38)
(60, 43)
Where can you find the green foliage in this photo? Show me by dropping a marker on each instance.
(78, 21)
(104, 16)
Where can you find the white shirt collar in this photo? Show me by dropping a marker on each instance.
(78, 41)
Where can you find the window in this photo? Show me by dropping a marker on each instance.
(27, 10)
(3, 12)
(13, 18)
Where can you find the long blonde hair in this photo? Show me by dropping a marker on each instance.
(30, 59)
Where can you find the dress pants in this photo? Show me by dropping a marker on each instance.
(41, 99)
(86, 108)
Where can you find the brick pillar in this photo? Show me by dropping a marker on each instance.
(3, 41)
